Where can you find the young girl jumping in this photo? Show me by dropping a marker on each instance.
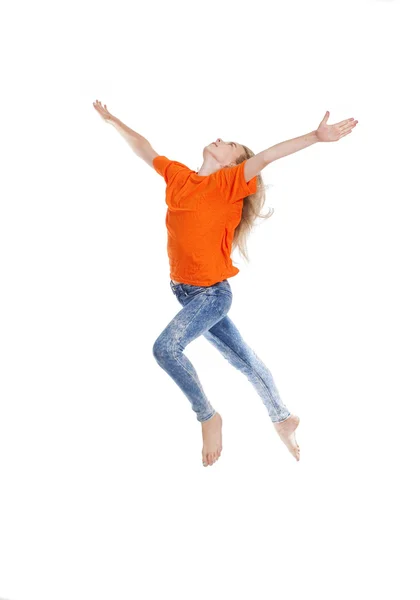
(210, 212)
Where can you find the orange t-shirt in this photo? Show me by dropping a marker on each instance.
(202, 214)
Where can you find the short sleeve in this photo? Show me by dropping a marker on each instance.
(231, 181)
(167, 168)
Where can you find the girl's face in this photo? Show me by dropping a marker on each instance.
(225, 153)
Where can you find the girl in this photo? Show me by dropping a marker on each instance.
(210, 212)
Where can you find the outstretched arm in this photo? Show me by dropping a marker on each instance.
(139, 144)
(324, 133)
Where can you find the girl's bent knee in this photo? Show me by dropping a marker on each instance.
(160, 350)
(166, 348)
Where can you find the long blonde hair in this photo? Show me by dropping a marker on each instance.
(251, 210)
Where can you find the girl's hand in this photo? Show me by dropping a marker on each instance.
(332, 133)
(105, 114)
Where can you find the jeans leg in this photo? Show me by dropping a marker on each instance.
(201, 312)
(226, 338)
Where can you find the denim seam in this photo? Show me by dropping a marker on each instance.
(254, 371)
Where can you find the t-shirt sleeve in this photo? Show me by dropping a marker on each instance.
(167, 168)
(231, 182)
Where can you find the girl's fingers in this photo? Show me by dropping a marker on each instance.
(103, 110)
(348, 124)
(345, 122)
(349, 127)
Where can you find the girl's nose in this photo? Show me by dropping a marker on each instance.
(218, 140)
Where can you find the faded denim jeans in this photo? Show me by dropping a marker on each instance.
(204, 313)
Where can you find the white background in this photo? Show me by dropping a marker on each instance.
(103, 493)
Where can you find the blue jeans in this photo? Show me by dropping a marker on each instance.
(204, 313)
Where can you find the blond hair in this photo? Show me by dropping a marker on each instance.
(251, 210)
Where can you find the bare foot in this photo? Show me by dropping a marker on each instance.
(212, 439)
(286, 430)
